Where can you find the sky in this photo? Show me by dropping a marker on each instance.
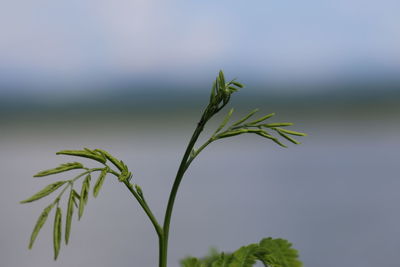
(83, 44)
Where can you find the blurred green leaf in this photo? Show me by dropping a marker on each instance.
(271, 252)
(279, 253)
(233, 89)
(245, 256)
(221, 79)
(237, 84)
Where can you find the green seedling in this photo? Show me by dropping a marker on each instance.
(270, 252)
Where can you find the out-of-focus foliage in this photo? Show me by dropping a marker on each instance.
(271, 252)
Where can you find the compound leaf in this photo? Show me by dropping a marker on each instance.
(271, 252)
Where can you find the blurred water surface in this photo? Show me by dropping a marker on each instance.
(336, 196)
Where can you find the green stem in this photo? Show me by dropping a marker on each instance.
(191, 158)
(146, 209)
(143, 204)
(162, 261)
(181, 171)
(151, 216)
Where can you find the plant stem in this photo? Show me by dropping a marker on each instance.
(209, 141)
(148, 212)
(181, 171)
(146, 209)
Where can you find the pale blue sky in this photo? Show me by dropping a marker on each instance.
(83, 43)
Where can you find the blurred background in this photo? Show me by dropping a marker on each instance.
(132, 77)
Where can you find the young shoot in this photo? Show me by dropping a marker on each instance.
(270, 252)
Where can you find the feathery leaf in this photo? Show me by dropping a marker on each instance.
(245, 256)
(280, 253)
(271, 252)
